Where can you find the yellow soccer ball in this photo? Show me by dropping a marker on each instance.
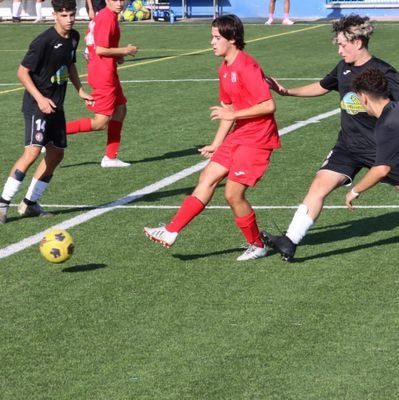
(142, 14)
(57, 246)
(128, 15)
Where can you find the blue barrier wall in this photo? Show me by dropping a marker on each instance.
(301, 9)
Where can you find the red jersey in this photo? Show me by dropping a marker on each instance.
(243, 85)
(104, 32)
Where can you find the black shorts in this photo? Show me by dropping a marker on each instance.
(41, 129)
(343, 162)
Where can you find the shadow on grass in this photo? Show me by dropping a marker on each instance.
(172, 154)
(357, 228)
(188, 257)
(84, 268)
(349, 230)
(377, 243)
(169, 155)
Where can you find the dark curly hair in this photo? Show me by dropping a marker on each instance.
(373, 82)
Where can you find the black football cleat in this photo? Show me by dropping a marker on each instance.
(280, 243)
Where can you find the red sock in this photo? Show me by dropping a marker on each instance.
(249, 228)
(80, 125)
(114, 138)
(188, 210)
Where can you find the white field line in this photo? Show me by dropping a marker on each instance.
(130, 198)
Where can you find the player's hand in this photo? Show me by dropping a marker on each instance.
(275, 85)
(350, 197)
(46, 105)
(89, 100)
(224, 113)
(207, 151)
(131, 50)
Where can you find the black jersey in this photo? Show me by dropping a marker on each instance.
(357, 127)
(48, 60)
(387, 136)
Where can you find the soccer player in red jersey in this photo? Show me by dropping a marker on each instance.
(243, 143)
(109, 105)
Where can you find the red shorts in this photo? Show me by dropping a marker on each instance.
(106, 98)
(246, 164)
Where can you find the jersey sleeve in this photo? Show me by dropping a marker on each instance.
(102, 32)
(387, 145)
(256, 87)
(393, 82)
(76, 44)
(34, 56)
(330, 81)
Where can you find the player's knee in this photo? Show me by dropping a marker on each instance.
(233, 198)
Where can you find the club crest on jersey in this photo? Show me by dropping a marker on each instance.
(351, 104)
(39, 137)
(233, 77)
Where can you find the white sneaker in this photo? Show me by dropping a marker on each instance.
(161, 235)
(37, 20)
(269, 21)
(34, 210)
(3, 213)
(107, 162)
(287, 21)
(252, 253)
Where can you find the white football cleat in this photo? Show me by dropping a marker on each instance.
(161, 235)
(269, 21)
(287, 21)
(107, 162)
(252, 253)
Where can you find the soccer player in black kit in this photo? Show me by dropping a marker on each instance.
(371, 87)
(44, 72)
(356, 146)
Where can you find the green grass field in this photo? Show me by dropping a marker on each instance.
(127, 319)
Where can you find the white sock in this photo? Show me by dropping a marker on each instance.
(39, 10)
(16, 9)
(299, 225)
(11, 188)
(35, 190)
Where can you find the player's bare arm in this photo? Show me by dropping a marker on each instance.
(373, 176)
(90, 7)
(74, 78)
(225, 127)
(312, 90)
(128, 50)
(258, 110)
(45, 104)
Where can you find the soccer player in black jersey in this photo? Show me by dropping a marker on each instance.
(44, 72)
(371, 87)
(356, 146)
